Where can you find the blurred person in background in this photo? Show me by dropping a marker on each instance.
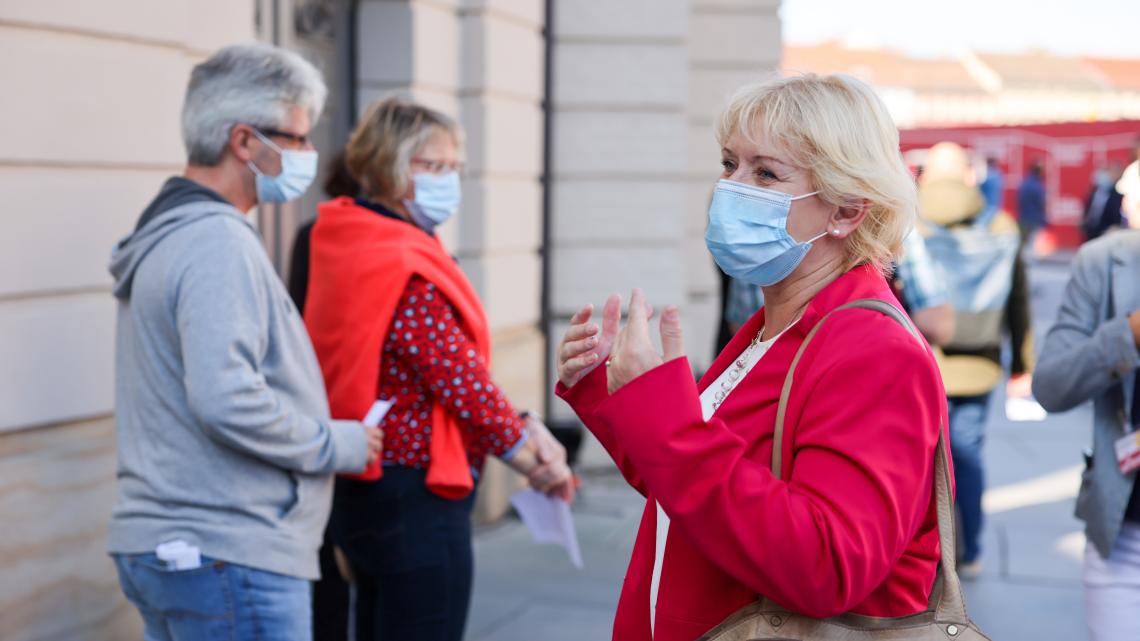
(921, 289)
(1129, 187)
(742, 299)
(339, 183)
(1031, 204)
(985, 275)
(812, 208)
(1103, 204)
(225, 445)
(1090, 353)
(993, 186)
(331, 596)
(393, 317)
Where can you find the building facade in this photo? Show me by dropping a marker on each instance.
(591, 159)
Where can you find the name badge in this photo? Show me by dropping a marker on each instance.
(1128, 452)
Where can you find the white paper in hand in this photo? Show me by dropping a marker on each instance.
(1024, 409)
(549, 521)
(377, 412)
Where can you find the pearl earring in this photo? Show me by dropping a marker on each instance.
(835, 232)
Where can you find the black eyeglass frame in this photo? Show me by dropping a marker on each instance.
(294, 138)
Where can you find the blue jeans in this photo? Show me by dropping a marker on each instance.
(967, 433)
(411, 555)
(215, 602)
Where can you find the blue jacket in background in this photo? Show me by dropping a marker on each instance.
(993, 187)
(1031, 203)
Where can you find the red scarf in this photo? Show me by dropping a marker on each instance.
(360, 265)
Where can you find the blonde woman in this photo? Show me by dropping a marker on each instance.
(392, 317)
(813, 202)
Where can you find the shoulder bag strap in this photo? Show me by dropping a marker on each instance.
(950, 603)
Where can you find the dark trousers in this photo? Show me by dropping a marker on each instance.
(967, 434)
(411, 555)
(330, 597)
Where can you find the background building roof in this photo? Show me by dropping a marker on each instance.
(1030, 70)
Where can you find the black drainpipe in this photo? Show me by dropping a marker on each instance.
(351, 62)
(570, 434)
(547, 112)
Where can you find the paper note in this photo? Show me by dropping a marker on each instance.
(549, 521)
(1024, 409)
(179, 555)
(377, 412)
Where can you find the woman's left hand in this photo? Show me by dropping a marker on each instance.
(633, 353)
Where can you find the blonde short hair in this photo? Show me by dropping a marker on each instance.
(836, 128)
(380, 150)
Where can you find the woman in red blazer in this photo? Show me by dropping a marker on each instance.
(813, 202)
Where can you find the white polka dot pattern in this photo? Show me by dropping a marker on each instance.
(428, 358)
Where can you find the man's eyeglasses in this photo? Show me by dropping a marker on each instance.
(294, 138)
(438, 166)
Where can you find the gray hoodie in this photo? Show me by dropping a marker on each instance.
(223, 429)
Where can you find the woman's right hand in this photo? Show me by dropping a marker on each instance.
(374, 436)
(542, 460)
(552, 475)
(583, 348)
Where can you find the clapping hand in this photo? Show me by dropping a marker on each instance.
(632, 353)
(583, 348)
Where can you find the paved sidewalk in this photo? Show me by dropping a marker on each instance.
(1030, 587)
(1033, 546)
(528, 592)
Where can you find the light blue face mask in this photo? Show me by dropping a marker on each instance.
(298, 170)
(437, 196)
(748, 233)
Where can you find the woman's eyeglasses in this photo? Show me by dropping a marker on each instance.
(439, 166)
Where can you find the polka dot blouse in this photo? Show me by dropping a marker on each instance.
(427, 356)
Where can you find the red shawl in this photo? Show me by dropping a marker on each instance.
(359, 267)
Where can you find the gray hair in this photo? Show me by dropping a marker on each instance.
(255, 84)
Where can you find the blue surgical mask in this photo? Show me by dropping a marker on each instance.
(437, 196)
(298, 170)
(748, 233)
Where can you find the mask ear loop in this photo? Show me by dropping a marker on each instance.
(268, 143)
(822, 234)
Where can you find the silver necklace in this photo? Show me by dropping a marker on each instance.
(736, 371)
(738, 366)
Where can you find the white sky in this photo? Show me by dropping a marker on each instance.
(1108, 28)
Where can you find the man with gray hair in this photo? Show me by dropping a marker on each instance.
(226, 449)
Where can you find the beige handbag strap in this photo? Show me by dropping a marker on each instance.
(951, 604)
